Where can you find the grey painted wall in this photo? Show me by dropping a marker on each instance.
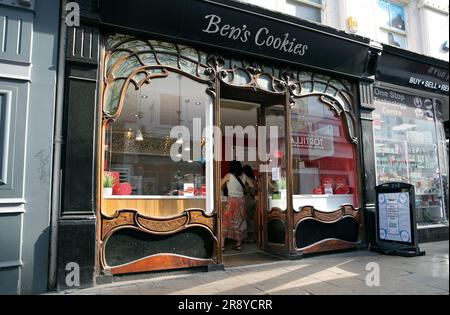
(28, 66)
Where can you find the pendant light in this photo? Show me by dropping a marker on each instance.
(139, 134)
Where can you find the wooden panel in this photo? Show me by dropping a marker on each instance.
(326, 217)
(153, 207)
(162, 226)
(160, 262)
(121, 219)
(328, 245)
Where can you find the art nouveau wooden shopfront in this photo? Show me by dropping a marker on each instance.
(216, 64)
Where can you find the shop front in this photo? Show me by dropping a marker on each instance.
(160, 102)
(169, 94)
(411, 109)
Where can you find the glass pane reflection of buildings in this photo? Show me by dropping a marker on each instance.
(138, 144)
(407, 150)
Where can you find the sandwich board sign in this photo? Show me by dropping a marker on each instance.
(396, 225)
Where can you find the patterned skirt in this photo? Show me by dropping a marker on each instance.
(235, 225)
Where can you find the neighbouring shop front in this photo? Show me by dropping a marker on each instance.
(134, 72)
(411, 109)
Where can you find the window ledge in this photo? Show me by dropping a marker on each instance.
(146, 197)
(394, 30)
(321, 196)
(432, 226)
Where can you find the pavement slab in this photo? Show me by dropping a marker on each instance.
(338, 274)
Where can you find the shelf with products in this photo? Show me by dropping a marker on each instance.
(430, 214)
(391, 160)
(392, 163)
(193, 185)
(428, 202)
(423, 164)
(428, 207)
(422, 156)
(389, 149)
(382, 153)
(415, 163)
(424, 189)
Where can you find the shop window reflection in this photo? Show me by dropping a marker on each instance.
(324, 166)
(138, 145)
(277, 174)
(408, 148)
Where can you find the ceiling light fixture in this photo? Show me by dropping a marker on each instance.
(139, 136)
(129, 134)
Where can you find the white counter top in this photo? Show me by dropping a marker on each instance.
(325, 203)
(132, 197)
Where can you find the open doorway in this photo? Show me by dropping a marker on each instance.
(238, 116)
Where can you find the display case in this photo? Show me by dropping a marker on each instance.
(408, 148)
(424, 175)
(415, 163)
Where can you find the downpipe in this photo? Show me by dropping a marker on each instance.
(58, 142)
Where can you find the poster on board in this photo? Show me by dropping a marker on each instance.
(394, 217)
(396, 226)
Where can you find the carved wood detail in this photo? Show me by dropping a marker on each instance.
(199, 217)
(328, 245)
(169, 225)
(326, 217)
(122, 218)
(162, 226)
(158, 226)
(276, 213)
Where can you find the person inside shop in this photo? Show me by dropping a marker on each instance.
(392, 41)
(250, 204)
(398, 22)
(235, 216)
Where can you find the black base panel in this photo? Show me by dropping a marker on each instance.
(310, 232)
(128, 245)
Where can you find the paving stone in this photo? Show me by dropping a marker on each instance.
(242, 290)
(122, 290)
(343, 273)
(295, 291)
(324, 288)
(155, 289)
(438, 283)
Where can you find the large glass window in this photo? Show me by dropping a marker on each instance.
(139, 146)
(277, 174)
(324, 166)
(305, 9)
(407, 146)
(392, 23)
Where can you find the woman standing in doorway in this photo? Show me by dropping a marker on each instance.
(250, 203)
(235, 225)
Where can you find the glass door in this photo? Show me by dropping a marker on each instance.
(274, 184)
